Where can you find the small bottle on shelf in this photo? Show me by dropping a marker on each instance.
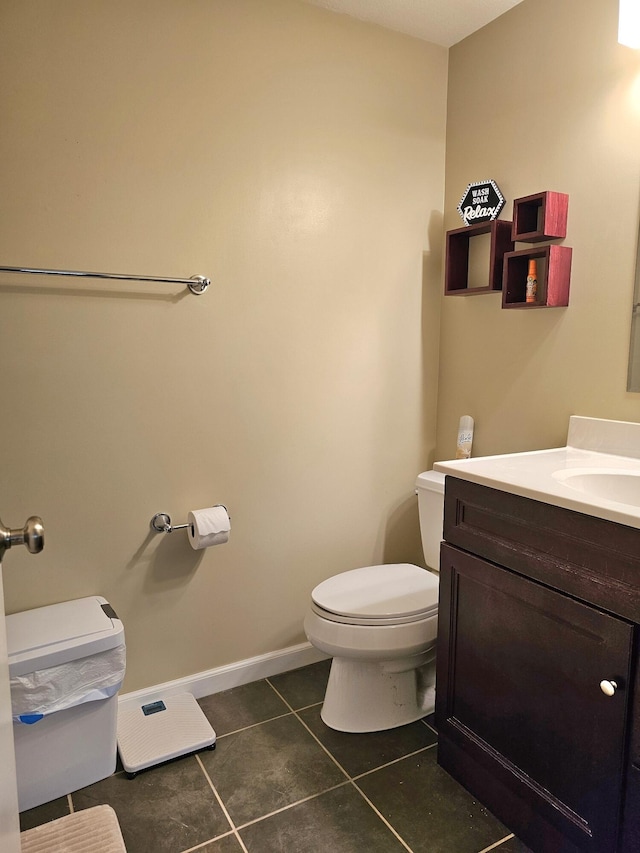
(532, 282)
(465, 437)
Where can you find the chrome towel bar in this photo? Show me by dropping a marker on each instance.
(197, 283)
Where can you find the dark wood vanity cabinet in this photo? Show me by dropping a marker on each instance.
(538, 606)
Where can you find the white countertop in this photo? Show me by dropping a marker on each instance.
(553, 476)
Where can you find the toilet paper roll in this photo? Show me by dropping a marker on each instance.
(207, 527)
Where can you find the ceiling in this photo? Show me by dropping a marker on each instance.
(443, 22)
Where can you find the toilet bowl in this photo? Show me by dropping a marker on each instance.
(379, 624)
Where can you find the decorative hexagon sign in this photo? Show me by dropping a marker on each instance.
(482, 201)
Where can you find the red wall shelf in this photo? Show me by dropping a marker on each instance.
(553, 283)
(542, 216)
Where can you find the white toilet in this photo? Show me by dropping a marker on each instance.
(379, 624)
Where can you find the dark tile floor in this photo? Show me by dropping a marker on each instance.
(280, 780)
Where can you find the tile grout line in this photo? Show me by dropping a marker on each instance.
(429, 726)
(302, 722)
(353, 784)
(269, 719)
(204, 844)
(395, 761)
(222, 805)
(305, 707)
(381, 816)
(348, 780)
(359, 775)
(497, 843)
(235, 829)
(292, 805)
(253, 725)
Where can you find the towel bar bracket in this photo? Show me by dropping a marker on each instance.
(199, 284)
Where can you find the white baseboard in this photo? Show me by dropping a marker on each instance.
(225, 677)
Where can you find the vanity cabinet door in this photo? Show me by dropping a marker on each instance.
(524, 723)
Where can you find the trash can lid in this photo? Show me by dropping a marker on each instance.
(59, 633)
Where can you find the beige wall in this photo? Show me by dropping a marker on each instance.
(295, 156)
(545, 99)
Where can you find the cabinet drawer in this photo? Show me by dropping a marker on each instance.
(593, 559)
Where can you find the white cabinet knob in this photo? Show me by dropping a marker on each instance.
(608, 687)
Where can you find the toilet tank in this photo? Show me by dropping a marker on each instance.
(430, 491)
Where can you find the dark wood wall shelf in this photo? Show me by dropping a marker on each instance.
(554, 275)
(457, 257)
(538, 217)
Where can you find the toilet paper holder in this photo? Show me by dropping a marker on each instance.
(161, 522)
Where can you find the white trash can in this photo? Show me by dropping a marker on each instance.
(66, 665)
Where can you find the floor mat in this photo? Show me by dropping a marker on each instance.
(94, 830)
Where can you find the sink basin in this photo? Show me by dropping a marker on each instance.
(610, 484)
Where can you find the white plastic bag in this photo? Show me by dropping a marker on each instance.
(87, 679)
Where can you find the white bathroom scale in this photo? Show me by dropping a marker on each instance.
(159, 731)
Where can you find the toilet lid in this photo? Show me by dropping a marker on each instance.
(395, 590)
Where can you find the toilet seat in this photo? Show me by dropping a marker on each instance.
(391, 594)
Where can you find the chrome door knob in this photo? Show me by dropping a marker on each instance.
(31, 535)
(608, 687)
